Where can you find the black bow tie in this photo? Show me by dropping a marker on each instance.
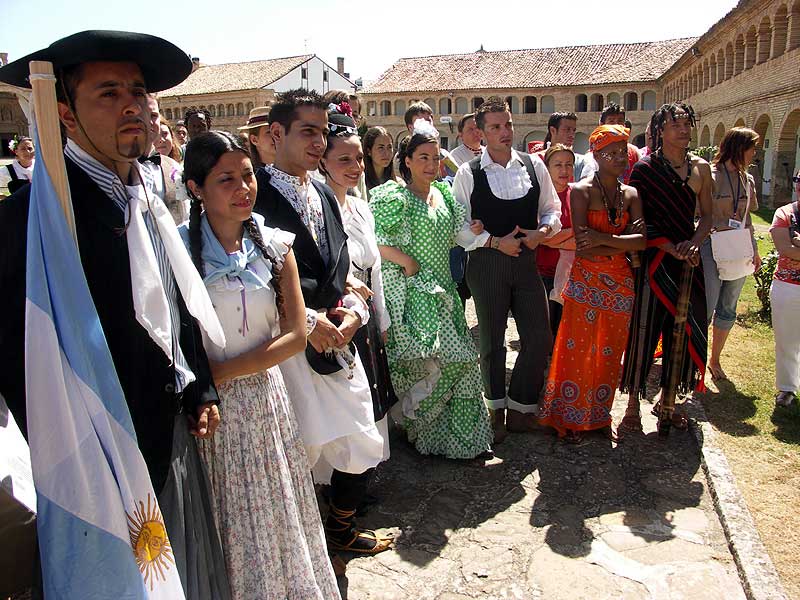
(155, 159)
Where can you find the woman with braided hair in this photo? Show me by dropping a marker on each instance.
(264, 497)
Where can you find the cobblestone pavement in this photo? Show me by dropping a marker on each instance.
(598, 521)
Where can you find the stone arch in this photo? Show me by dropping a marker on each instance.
(230, 111)
(513, 104)
(581, 143)
(529, 105)
(581, 103)
(533, 136)
(780, 29)
(738, 55)
(400, 107)
(385, 108)
(649, 100)
(712, 71)
(613, 97)
(740, 122)
(476, 102)
(705, 136)
(720, 66)
(239, 109)
(445, 106)
(719, 133)
(221, 110)
(794, 27)
(750, 47)
(706, 75)
(372, 108)
(212, 110)
(249, 107)
(430, 102)
(787, 157)
(765, 155)
(596, 103)
(462, 107)
(729, 60)
(631, 101)
(548, 105)
(764, 40)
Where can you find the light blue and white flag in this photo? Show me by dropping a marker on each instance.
(101, 533)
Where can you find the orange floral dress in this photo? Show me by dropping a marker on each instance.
(587, 357)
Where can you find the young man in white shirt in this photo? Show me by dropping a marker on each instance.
(513, 197)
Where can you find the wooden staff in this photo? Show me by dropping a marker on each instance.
(637, 343)
(678, 351)
(48, 125)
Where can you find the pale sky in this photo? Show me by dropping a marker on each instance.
(370, 40)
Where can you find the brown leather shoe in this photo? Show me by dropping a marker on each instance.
(518, 422)
(499, 425)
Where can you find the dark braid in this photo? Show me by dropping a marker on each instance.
(254, 233)
(659, 118)
(195, 237)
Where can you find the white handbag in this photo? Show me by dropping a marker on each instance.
(733, 250)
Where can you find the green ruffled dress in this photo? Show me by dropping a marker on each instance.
(432, 359)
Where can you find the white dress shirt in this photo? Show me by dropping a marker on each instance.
(508, 182)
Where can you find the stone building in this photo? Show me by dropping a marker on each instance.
(535, 83)
(745, 70)
(230, 91)
(12, 119)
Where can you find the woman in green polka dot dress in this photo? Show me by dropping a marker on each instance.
(432, 359)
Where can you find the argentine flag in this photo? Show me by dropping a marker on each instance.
(101, 534)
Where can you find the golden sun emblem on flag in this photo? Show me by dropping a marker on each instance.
(150, 542)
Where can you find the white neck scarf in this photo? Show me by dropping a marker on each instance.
(149, 297)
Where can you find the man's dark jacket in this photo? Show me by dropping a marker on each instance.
(323, 285)
(145, 373)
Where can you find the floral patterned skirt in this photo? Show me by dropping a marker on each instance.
(264, 501)
(586, 364)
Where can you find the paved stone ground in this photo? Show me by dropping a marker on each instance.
(599, 521)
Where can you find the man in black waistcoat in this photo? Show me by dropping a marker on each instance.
(322, 388)
(514, 199)
(102, 83)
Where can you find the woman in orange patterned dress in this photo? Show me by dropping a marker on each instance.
(586, 364)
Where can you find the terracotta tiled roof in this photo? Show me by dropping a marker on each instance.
(540, 67)
(211, 79)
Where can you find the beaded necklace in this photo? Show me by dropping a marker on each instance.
(613, 211)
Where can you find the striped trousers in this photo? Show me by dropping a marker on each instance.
(499, 284)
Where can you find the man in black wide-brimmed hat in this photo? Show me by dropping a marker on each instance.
(132, 264)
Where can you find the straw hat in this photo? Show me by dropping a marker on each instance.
(259, 117)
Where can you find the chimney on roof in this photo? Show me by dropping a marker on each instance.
(3, 58)
(195, 63)
(481, 49)
(340, 65)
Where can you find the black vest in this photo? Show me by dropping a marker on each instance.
(17, 182)
(145, 373)
(499, 216)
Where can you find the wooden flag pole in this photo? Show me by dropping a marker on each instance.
(48, 125)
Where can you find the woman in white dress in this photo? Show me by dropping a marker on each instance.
(264, 498)
(20, 172)
(343, 165)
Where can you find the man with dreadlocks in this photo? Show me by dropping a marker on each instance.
(672, 185)
(197, 121)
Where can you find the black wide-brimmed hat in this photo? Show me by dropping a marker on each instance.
(163, 64)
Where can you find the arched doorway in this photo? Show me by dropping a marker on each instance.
(765, 155)
(719, 133)
(705, 136)
(787, 158)
(581, 143)
(533, 136)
